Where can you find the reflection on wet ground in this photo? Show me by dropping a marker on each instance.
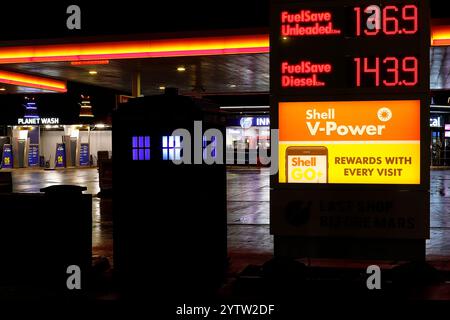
(249, 239)
(439, 243)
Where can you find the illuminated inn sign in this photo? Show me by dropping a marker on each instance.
(37, 121)
(248, 122)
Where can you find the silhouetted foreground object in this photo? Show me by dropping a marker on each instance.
(41, 235)
(102, 155)
(5, 182)
(291, 280)
(169, 220)
(415, 273)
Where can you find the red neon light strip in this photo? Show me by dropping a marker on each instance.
(247, 44)
(136, 49)
(32, 81)
(440, 35)
(89, 62)
(30, 85)
(441, 42)
(162, 54)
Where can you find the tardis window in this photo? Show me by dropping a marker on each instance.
(140, 146)
(213, 144)
(171, 147)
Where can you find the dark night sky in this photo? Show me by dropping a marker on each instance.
(44, 19)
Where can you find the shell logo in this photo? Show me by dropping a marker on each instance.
(246, 122)
(384, 114)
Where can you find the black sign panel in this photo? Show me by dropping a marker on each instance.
(350, 65)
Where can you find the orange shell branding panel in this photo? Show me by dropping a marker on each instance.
(360, 142)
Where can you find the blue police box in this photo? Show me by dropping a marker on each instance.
(169, 220)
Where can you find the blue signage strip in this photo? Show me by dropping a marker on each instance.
(7, 158)
(33, 155)
(248, 122)
(84, 155)
(60, 157)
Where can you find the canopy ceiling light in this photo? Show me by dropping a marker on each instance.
(85, 107)
(31, 109)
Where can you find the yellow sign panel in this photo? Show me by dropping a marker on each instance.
(357, 142)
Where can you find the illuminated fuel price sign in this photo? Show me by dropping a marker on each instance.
(351, 21)
(350, 99)
(349, 46)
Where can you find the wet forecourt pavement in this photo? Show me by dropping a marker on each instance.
(248, 216)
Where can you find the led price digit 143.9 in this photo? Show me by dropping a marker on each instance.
(387, 71)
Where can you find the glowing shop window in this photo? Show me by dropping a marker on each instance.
(171, 147)
(140, 148)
